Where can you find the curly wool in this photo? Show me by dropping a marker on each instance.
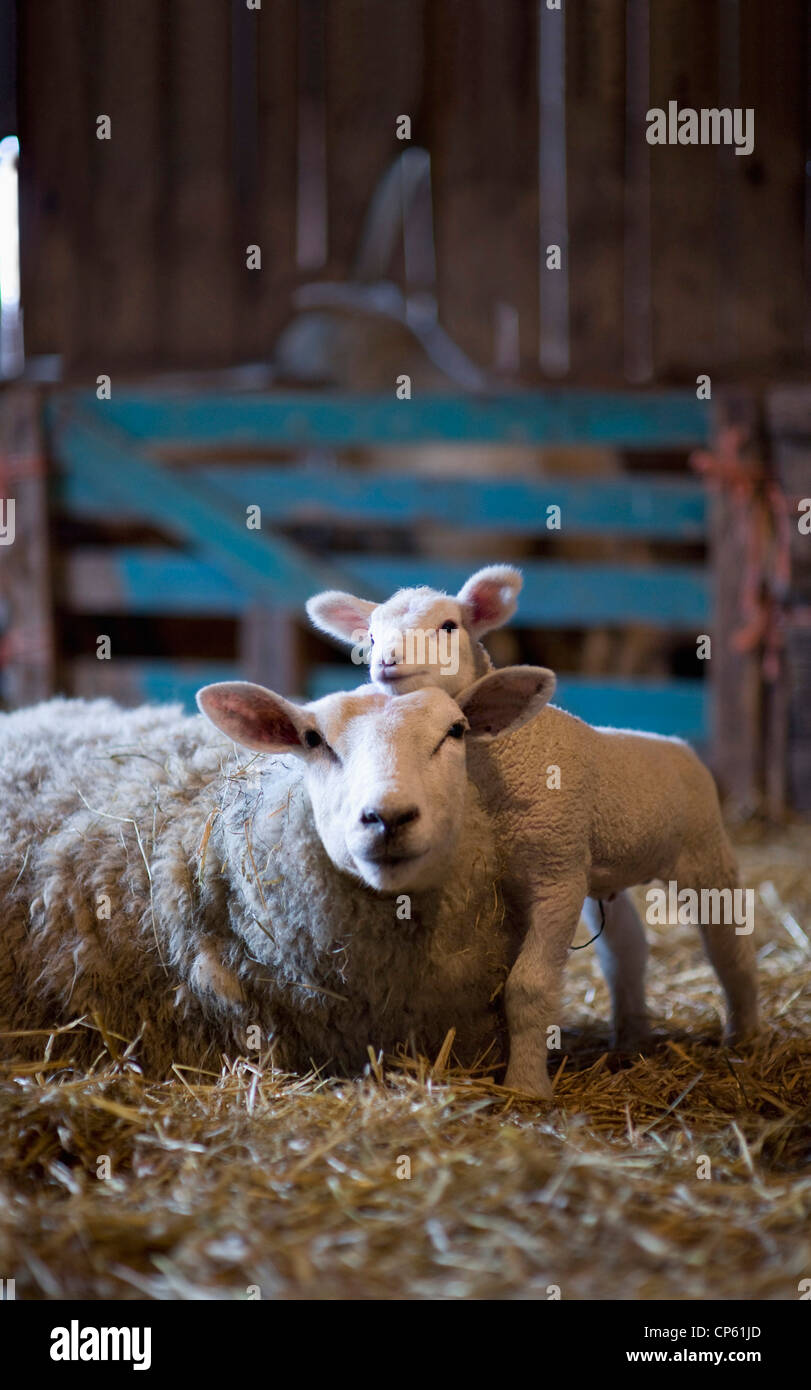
(163, 885)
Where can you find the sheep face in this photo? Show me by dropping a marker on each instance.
(420, 637)
(387, 779)
(387, 784)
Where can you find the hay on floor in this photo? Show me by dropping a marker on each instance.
(252, 1183)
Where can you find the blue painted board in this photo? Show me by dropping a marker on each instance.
(678, 707)
(664, 707)
(162, 682)
(673, 508)
(555, 593)
(263, 563)
(634, 420)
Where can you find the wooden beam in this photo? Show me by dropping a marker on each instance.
(595, 140)
(649, 506)
(735, 675)
(26, 629)
(679, 707)
(555, 594)
(641, 420)
(131, 680)
(270, 649)
(685, 257)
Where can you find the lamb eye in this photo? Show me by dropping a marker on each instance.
(371, 640)
(449, 626)
(312, 739)
(456, 731)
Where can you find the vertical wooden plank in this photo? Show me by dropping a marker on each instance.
(595, 126)
(311, 191)
(481, 105)
(776, 720)
(789, 420)
(121, 323)
(637, 306)
(55, 187)
(8, 68)
(554, 347)
(798, 693)
(728, 173)
(770, 187)
(198, 323)
(26, 629)
(266, 209)
(374, 73)
(270, 650)
(807, 192)
(684, 68)
(737, 709)
(788, 698)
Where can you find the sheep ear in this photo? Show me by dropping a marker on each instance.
(491, 597)
(254, 717)
(341, 615)
(501, 701)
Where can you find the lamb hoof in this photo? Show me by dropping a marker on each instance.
(737, 1032)
(526, 1082)
(632, 1037)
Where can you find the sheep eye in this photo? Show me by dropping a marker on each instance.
(371, 640)
(312, 739)
(456, 731)
(449, 626)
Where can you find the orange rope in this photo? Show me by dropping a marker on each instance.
(761, 520)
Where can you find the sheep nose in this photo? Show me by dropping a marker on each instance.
(389, 821)
(389, 660)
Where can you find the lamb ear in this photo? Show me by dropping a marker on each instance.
(341, 615)
(503, 700)
(254, 717)
(491, 597)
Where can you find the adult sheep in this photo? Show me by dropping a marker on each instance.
(158, 883)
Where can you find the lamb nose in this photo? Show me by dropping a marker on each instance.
(389, 821)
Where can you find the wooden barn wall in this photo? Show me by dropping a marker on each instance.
(230, 126)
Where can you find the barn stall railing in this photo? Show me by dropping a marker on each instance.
(121, 458)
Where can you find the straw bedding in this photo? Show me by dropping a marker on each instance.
(255, 1183)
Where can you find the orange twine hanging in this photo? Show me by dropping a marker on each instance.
(761, 520)
(28, 644)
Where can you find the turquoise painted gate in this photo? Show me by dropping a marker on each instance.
(118, 458)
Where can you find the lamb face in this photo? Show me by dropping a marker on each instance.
(387, 779)
(417, 638)
(420, 637)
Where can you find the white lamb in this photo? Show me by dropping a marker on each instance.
(580, 811)
(156, 882)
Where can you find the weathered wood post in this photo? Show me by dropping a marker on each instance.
(734, 669)
(26, 627)
(788, 417)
